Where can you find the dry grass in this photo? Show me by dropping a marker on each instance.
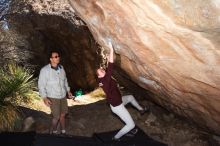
(97, 93)
(9, 118)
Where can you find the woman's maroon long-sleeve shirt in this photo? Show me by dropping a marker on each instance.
(110, 88)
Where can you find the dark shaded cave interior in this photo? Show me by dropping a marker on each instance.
(41, 34)
(36, 35)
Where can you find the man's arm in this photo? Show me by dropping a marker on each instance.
(70, 95)
(42, 82)
(67, 86)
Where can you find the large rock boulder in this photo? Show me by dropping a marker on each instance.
(168, 47)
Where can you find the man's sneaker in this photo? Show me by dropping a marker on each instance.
(145, 110)
(63, 133)
(55, 132)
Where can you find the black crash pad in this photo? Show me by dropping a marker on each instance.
(52, 140)
(17, 138)
(130, 139)
(98, 139)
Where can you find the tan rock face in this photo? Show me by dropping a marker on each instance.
(168, 47)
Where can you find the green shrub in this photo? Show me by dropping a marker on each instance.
(17, 86)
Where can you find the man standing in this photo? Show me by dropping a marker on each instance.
(53, 87)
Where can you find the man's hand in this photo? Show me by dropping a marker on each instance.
(70, 95)
(47, 101)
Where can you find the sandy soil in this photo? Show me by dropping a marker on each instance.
(88, 115)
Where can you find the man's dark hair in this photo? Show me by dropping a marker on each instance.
(51, 52)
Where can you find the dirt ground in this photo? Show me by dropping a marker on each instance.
(88, 115)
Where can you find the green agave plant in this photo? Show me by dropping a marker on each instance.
(17, 87)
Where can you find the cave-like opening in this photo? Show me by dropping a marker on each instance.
(39, 34)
